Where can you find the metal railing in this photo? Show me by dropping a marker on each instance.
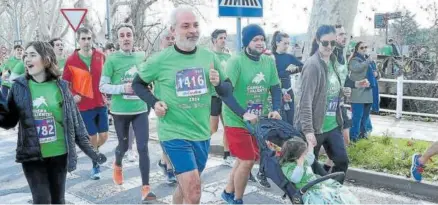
(400, 97)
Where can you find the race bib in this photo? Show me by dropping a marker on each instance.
(255, 108)
(190, 82)
(46, 130)
(332, 106)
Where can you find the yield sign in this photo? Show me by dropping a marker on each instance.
(74, 17)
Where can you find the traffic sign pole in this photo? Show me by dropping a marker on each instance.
(239, 34)
(239, 10)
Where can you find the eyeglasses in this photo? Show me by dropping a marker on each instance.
(170, 38)
(363, 47)
(326, 43)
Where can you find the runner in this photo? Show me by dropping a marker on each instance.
(50, 125)
(126, 108)
(58, 47)
(7, 67)
(318, 113)
(419, 161)
(167, 40)
(341, 42)
(253, 76)
(286, 65)
(83, 70)
(218, 39)
(182, 101)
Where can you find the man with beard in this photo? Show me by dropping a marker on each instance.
(83, 70)
(184, 76)
(253, 76)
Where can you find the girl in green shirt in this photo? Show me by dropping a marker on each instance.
(295, 160)
(50, 125)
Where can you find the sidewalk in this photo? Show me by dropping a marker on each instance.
(382, 125)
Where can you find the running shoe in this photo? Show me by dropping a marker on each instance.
(417, 168)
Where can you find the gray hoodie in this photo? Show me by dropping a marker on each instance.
(312, 105)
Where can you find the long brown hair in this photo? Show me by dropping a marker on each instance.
(292, 150)
(45, 50)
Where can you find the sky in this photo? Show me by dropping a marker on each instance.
(290, 15)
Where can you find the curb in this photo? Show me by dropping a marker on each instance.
(377, 179)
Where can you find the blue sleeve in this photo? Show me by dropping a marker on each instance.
(225, 92)
(276, 97)
(296, 62)
(297, 175)
(141, 89)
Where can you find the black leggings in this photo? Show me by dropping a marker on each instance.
(46, 179)
(140, 124)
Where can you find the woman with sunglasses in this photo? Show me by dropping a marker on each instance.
(359, 66)
(319, 114)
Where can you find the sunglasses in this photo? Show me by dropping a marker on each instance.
(326, 43)
(363, 47)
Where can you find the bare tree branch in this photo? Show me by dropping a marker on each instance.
(52, 17)
(116, 5)
(64, 32)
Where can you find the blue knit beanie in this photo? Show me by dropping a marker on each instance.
(251, 31)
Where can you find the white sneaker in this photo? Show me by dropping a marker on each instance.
(132, 156)
(229, 161)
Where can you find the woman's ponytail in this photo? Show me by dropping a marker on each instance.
(274, 41)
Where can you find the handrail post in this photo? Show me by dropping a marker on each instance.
(399, 108)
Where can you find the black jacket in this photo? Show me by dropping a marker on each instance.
(18, 108)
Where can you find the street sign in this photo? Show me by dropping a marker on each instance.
(240, 8)
(394, 15)
(74, 17)
(379, 21)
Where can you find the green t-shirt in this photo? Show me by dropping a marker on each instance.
(9, 66)
(223, 58)
(48, 116)
(182, 82)
(121, 68)
(19, 69)
(61, 63)
(308, 175)
(86, 60)
(251, 81)
(334, 87)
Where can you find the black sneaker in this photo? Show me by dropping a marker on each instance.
(251, 178)
(163, 167)
(263, 181)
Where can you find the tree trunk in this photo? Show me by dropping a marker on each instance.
(330, 12)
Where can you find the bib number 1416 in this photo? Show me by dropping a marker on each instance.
(190, 82)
